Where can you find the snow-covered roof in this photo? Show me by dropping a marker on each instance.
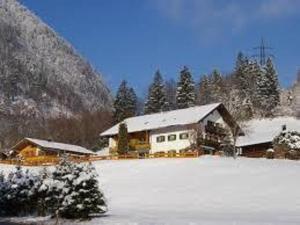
(164, 119)
(258, 131)
(56, 146)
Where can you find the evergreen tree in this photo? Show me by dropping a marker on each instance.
(123, 139)
(217, 87)
(132, 103)
(156, 101)
(267, 90)
(242, 75)
(85, 197)
(204, 91)
(125, 103)
(3, 190)
(57, 187)
(20, 194)
(271, 76)
(185, 94)
(170, 86)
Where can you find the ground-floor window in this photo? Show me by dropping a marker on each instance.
(183, 136)
(172, 137)
(160, 139)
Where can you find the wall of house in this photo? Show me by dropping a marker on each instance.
(256, 151)
(167, 145)
(112, 143)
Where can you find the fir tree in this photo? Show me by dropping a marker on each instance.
(185, 94)
(271, 76)
(123, 139)
(170, 86)
(242, 75)
(217, 87)
(3, 190)
(20, 195)
(85, 197)
(125, 103)
(204, 91)
(156, 101)
(267, 90)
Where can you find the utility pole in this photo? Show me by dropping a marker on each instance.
(262, 52)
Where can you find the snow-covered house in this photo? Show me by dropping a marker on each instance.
(174, 130)
(35, 148)
(259, 134)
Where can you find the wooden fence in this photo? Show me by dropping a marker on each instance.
(48, 161)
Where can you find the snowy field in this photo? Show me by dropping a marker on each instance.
(206, 190)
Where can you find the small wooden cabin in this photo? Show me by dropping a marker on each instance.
(260, 133)
(30, 149)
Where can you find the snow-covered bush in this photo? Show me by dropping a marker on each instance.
(270, 153)
(289, 140)
(19, 193)
(288, 143)
(70, 191)
(3, 189)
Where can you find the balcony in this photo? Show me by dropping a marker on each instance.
(215, 128)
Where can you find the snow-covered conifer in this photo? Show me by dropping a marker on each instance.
(185, 95)
(125, 103)
(123, 139)
(85, 198)
(204, 91)
(20, 195)
(156, 100)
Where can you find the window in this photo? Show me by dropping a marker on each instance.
(183, 136)
(160, 139)
(172, 137)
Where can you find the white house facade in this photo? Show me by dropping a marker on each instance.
(174, 130)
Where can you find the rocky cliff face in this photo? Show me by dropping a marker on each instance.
(41, 75)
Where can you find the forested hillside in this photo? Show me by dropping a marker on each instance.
(42, 76)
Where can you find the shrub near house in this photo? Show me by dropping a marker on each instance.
(287, 145)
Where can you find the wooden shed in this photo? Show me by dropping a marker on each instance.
(30, 149)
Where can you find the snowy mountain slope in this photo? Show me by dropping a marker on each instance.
(205, 190)
(41, 74)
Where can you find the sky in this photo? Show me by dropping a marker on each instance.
(131, 39)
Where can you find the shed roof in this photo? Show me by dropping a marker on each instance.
(54, 146)
(259, 131)
(164, 119)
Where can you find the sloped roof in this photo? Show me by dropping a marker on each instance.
(55, 146)
(260, 131)
(164, 119)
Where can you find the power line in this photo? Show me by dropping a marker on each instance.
(263, 52)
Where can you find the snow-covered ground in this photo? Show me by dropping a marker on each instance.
(205, 190)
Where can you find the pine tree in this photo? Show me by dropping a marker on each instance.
(85, 197)
(3, 190)
(204, 91)
(242, 75)
(185, 95)
(132, 103)
(217, 87)
(156, 101)
(123, 139)
(57, 186)
(170, 86)
(271, 76)
(20, 194)
(125, 103)
(267, 90)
